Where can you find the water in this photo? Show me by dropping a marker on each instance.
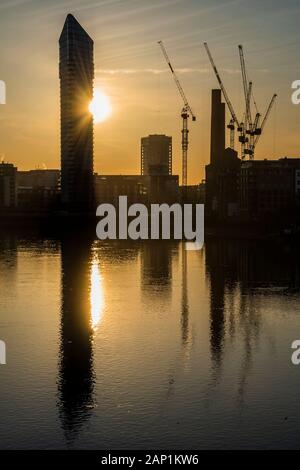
(145, 345)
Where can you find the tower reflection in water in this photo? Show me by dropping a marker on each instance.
(157, 278)
(241, 274)
(81, 309)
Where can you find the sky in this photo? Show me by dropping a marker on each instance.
(131, 71)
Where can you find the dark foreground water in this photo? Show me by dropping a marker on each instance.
(146, 345)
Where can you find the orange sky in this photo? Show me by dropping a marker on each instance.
(131, 70)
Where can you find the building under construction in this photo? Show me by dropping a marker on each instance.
(250, 189)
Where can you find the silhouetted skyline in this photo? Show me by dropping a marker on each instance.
(131, 71)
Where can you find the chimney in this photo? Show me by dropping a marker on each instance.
(217, 137)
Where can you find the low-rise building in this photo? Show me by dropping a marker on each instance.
(222, 186)
(143, 189)
(8, 187)
(269, 186)
(38, 189)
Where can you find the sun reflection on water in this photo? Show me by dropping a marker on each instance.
(97, 294)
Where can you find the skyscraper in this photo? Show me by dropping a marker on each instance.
(76, 72)
(156, 155)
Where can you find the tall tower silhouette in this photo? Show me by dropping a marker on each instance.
(76, 72)
(217, 140)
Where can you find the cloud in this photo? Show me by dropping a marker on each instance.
(14, 4)
(153, 71)
(231, 71)
(148, 71)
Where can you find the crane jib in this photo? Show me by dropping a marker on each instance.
(171, 68)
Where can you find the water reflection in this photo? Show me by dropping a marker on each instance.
(80, 312)
(240, 274)
(156, 267)
(97, 293)
(182, 344)
(8, 261)
(217, 272)
(184, 298)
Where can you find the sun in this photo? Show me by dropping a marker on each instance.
(100, 107)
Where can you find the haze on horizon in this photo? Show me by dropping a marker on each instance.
(130, 70)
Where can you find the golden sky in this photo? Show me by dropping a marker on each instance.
(130, 69)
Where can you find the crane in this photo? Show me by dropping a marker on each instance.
(247, 90)
(256, 130)
(234, 120)
(185, 114)
(250, 128)
(253, 129)
(259, 130)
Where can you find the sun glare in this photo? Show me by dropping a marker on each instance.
(100, 107)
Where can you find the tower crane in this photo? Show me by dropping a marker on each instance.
(260, 130)
(256, 130)
(185, 114)
(252, 128)
(234, 120)
(247, 90)
(248, 125)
